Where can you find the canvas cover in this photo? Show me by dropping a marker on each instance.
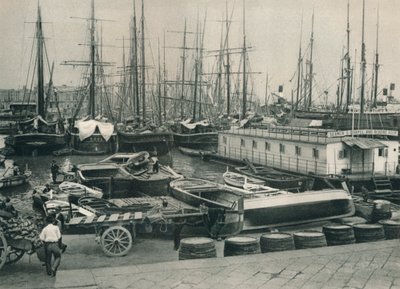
(88, 127)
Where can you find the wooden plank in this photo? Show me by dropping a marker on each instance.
(89, 220)
(75, 221)
(101, 219)
(126, 216)
(113, 217)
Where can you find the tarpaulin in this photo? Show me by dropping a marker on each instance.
(88, 127)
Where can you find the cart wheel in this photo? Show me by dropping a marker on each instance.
(14, 255)
(3, 250)
(116, 241)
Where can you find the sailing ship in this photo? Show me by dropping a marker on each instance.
(93, 133)
(39, 134)
(141, 135)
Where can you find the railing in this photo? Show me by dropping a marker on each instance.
(287, 133)
(299, 165)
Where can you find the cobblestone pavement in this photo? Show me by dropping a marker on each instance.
(372, 265)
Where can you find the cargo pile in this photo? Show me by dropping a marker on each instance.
(18, 228)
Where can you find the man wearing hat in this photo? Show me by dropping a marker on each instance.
(51, 237)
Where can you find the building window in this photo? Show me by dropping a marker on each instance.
(343, 154)
(242, 142)
(281, 148)
(315, 153)
(297, 151)
(383, 152)
(224, 139)
(267, 146)
(254, 144)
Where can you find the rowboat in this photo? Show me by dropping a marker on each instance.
(204, 154)
(266, 207)
(9, 177)
(64, 192)
(274, 178)
(225, 204)
(239, 180)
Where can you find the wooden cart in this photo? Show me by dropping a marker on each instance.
(116, 232)
(12, 250)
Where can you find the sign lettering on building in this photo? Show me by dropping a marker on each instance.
(341, 133)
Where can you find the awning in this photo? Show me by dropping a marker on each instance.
(364, 143)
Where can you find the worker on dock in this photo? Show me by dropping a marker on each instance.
(54, 170)
(51, 237)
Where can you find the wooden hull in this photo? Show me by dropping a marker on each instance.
(155, 183)
(277, 179)
(206, 140)
(224, 204)
(110, 178)
(94, 145)
(289, 209)
(161, 142)
(238, 180)
(44, 143)
(13, 181)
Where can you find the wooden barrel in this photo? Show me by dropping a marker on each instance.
(368, 232)
(197, 248)
(381, 211)
(309, 239)
(351, 220)
(391, 228)
(276, 241)
(337, 234)
(241, 245)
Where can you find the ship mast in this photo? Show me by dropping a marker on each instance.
(183, 68)
(40, 65)
(244, 106)
(134, 65)
(348, 74)
(311, 64)
(143, 68)
(92, 88)
(228, 82)
(363, 63)
(376, 61)
(299, 66)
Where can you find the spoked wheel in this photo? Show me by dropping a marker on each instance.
(116, 241)
(14, 255)
(3, 250)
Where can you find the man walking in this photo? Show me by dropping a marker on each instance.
(51, 237)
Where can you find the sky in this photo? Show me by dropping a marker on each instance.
(273, 29)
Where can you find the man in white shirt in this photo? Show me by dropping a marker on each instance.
(51, 237)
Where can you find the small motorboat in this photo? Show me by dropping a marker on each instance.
(225, 204)
(238, 180)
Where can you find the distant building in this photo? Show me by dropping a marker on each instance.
(319, 151)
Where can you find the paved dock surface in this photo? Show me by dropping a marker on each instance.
(372, 265)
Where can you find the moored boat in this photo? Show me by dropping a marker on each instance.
(198, 135)
(225, 204)
(276, 179)
(269, 207)
(110, 177)
(11, 176)
(63, 192)
(196, 152)
(239, 180)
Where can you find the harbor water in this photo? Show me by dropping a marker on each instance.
(40, 167)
